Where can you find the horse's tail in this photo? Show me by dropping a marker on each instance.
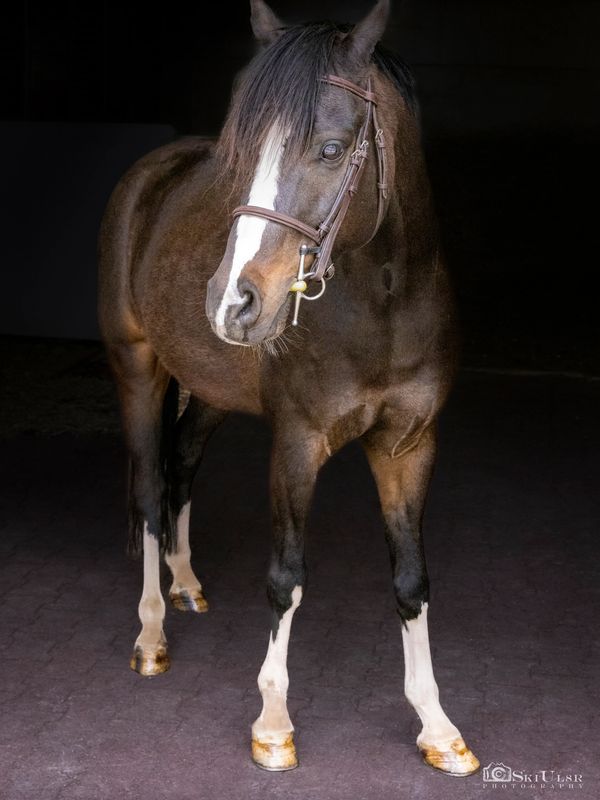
(168, 522)
(167, 456)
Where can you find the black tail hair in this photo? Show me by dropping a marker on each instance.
(164, 527)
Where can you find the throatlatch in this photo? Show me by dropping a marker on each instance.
(325, 235)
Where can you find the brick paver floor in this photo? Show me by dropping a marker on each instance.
(513, 551)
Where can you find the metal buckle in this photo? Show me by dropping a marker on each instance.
(300, 286)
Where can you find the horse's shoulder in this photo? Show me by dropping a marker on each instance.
(132, 210)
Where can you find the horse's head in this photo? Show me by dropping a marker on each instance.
(288, 144)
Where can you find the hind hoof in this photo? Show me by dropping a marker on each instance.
(147, 664)
(456, 759)
(189, 600)
(275, 757)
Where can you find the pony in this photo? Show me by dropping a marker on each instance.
(321, 146)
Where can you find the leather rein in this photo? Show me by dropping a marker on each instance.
(325, 235)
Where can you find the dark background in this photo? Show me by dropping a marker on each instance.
(509, 99)
(510, 112)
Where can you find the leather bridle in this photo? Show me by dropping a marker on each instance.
(325, 235)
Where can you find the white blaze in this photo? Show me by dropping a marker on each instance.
(249, 230)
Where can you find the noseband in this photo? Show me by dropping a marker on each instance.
(325, 235)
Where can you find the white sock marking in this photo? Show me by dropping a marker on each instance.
(273, 680)
(420, 687)
(249, 231)
(152, 606)
(179, 562)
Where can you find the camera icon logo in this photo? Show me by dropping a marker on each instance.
(497, 773)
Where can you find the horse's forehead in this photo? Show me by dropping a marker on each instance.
(336, 105)
(267, 169)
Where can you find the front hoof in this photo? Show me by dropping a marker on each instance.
(150, 663)
(275, 757)
(456, 759)
(189, 600)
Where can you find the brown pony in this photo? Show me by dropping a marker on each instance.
(322, 146)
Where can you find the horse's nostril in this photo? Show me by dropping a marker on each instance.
(246, 304)
(247, 311)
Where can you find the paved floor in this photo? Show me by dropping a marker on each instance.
(512, 544)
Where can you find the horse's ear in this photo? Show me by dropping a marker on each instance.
(362, 39)
(266, 25)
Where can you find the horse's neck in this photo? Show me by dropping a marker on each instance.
(415, 218)
(401, 268)
(406, 248)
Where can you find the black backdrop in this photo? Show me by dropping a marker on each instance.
(509, 99)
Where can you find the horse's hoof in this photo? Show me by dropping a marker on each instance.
(189, 600)
(147, 663)
(275, 757)
(456, 759)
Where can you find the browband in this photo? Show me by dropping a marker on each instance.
(342, 83)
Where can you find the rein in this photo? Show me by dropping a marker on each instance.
(325, 235)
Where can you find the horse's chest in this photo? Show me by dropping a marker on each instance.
(348, 423)
(343, 406)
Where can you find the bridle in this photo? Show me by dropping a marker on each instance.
(325, 235)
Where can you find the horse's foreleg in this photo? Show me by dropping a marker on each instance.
(192, 431)
(402, 484)
(142, 385)
(294, 467)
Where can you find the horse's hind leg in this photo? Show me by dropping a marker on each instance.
(145, 397)
(402, 484)
(192, 431)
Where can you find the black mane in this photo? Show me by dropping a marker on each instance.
(399, 73)
(283, 81)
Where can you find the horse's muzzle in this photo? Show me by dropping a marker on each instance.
(238, 320)
(241, 317)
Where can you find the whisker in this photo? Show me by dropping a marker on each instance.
(257, 351)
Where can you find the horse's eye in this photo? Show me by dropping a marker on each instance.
(332, 151)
